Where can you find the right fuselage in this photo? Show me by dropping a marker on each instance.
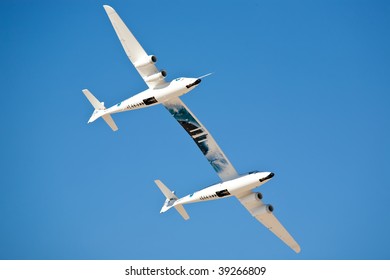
(228, 188)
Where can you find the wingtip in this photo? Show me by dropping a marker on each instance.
(108, 9)
(297, 249)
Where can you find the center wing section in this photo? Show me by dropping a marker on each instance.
(264, 215)
(202, 138)
(143, 62)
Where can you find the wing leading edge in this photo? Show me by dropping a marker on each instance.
(269, 221)
(202, 138)
(134, 51)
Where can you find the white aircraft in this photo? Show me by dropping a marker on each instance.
(159, 90)
(167, 93)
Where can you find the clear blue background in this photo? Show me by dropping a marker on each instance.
(300, 88)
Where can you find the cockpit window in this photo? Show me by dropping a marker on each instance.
(178, 79)
(253, 172)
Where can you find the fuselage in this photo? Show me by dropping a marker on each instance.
(155, 96)
(228, 188)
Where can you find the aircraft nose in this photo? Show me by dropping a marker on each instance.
(197, 82)
(269, 176)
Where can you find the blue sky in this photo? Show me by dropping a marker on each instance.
(300, 88)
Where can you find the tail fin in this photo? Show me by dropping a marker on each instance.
(171, 200)
(99, 110)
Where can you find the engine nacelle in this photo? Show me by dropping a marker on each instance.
(151, 59)
(155, 77)
(253, 197)
(263, 209)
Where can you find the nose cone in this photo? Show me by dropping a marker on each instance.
(196, 82)
(267, 177)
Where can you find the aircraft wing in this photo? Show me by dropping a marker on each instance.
(257, 210)
(202, 138)
(134, 50)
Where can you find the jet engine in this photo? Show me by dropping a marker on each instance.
(251, 198)
(263, 209)
(151, 59)
(155, 77)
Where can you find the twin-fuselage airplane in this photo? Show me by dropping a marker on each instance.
(167, 93)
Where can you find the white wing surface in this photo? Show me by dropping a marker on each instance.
(143, 62)
(261, 213)
(202, 138)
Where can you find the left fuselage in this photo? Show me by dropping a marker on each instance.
(151, 97)
(228, 188)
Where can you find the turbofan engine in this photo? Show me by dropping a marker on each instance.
(251, 198)
(255, 205)
(263, 209)
(151, 59)
(155, 77)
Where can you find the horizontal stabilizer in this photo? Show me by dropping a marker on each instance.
(182, 212)
(108, 119)
(170, 201)
(100, 110)
(164, 189)
(95, 103)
